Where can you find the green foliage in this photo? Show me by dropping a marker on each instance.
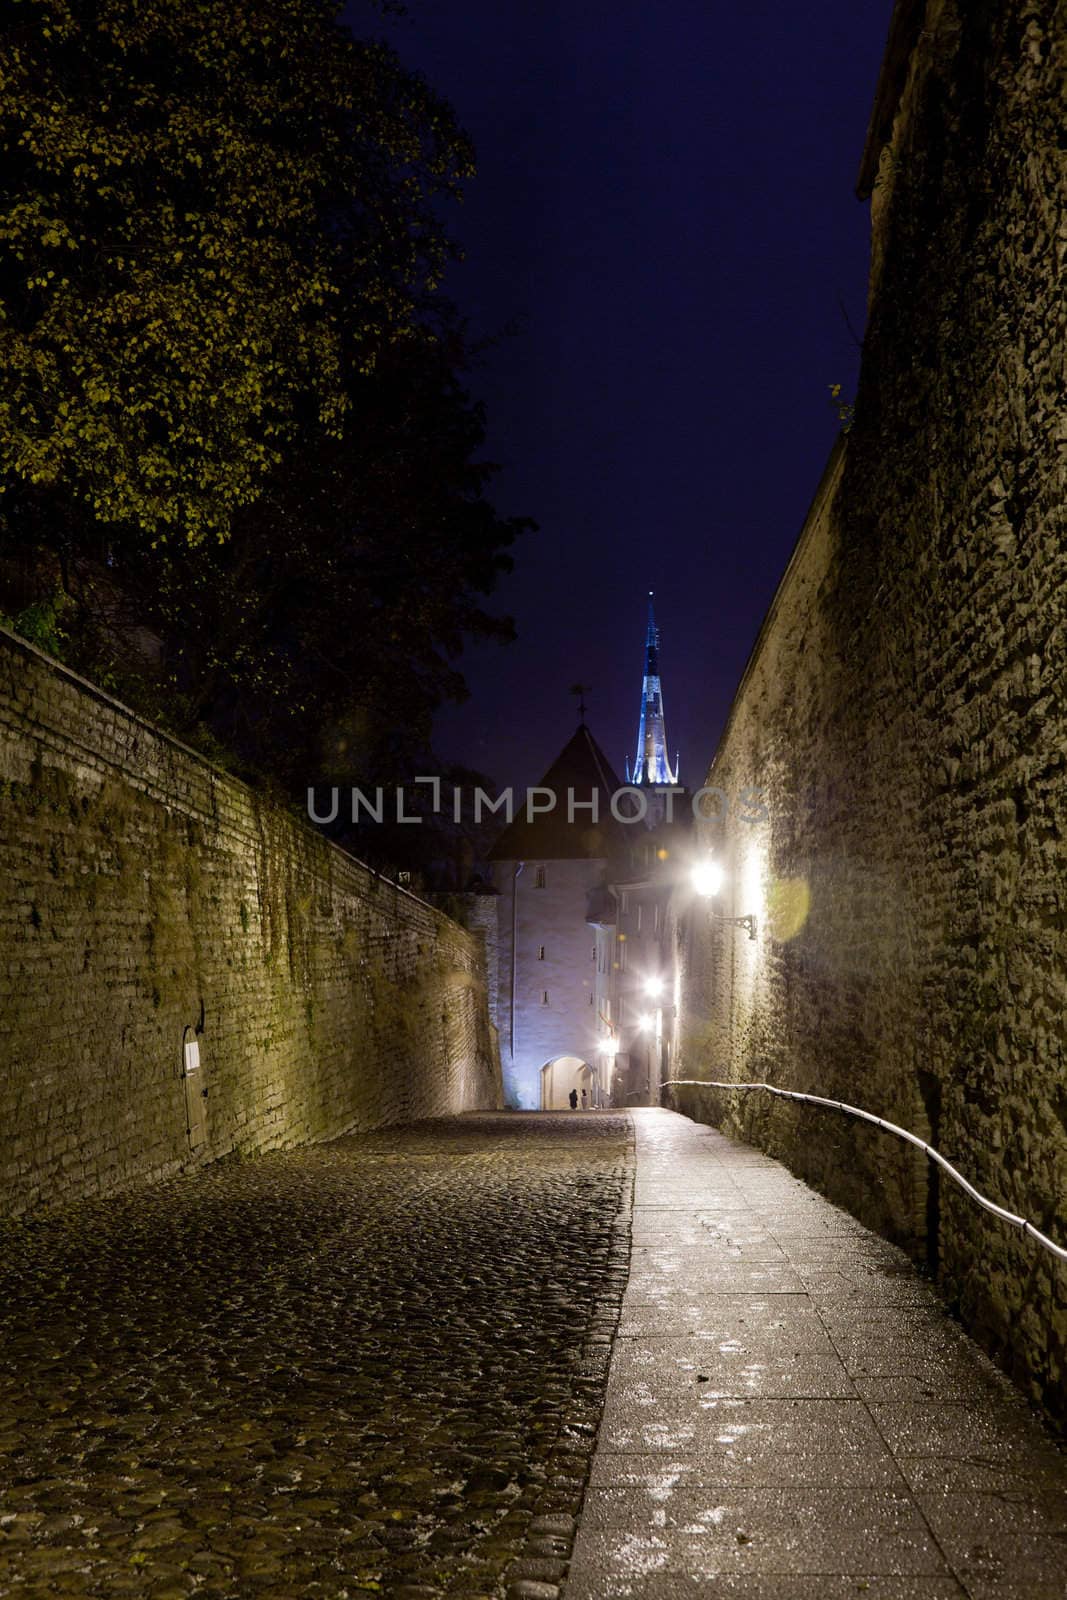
(209, 216)
(234, 432)
(846, 409)
(320, 639)
(42, 622)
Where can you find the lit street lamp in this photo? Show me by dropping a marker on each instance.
(707, 878)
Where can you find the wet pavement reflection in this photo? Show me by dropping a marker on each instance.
(791, 1413)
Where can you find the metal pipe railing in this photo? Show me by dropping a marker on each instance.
(901, 1133)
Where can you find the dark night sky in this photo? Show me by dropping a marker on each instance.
(665, 199)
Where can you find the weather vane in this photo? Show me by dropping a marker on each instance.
(581, 690)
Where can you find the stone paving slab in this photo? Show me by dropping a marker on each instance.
(791, 1414)
(732, 1586)
(767, 1470)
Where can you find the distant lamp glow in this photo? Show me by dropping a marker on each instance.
(707, 878)
(646, 1022)
(608, 1047)
(653, 987)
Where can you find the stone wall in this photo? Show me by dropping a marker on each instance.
(482, 916)
(139, 883)
(904, 714)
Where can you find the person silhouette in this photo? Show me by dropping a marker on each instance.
(573, 1097)
(585, 1094)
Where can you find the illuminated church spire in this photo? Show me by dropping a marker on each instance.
(650, 764)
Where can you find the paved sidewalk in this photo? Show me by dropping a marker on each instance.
(791, 1414)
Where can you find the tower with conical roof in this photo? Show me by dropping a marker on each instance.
(546, 867)
(651, 765)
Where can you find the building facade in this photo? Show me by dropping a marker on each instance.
(583, 998)
(546, 868)
(636, 987)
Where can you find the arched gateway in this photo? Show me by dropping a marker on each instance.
(562, 1074)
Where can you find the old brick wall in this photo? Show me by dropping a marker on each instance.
(904, 714)
(137, 881)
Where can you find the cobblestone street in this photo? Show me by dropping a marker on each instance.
(386, 1365)
(364, 1367)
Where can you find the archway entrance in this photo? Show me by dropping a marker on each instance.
(560, 1076)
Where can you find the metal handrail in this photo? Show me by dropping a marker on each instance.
(902, 1133)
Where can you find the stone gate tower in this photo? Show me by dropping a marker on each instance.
(545, 868)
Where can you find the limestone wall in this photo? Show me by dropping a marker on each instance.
(137, 881)
(904, 713)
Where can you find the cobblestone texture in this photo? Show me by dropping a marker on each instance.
(373, 1366)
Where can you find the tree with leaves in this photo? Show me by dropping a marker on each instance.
(233, 416)
(209, 216)
(320, 638)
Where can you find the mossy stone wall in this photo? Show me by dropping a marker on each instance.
(905, 714)
(139, 882)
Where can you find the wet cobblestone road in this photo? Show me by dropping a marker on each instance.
(375, 1366)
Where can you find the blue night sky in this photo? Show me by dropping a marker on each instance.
(665, 207)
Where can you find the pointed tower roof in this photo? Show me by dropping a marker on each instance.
(651, 764)
(582, 767)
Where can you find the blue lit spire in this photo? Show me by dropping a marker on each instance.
(650, 764)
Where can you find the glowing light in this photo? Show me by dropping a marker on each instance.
(707, 878)
(653, 987)
(646, 1022)
(752, 874)
(608, 1047)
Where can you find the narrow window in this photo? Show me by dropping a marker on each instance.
(544, 997)
(593, 955)
(622, 955)
(640, 909)
(539, 878)
(590, 997)
(540, 952)
(655, 918)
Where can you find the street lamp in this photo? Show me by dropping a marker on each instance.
(707, 878)
(653, 987)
